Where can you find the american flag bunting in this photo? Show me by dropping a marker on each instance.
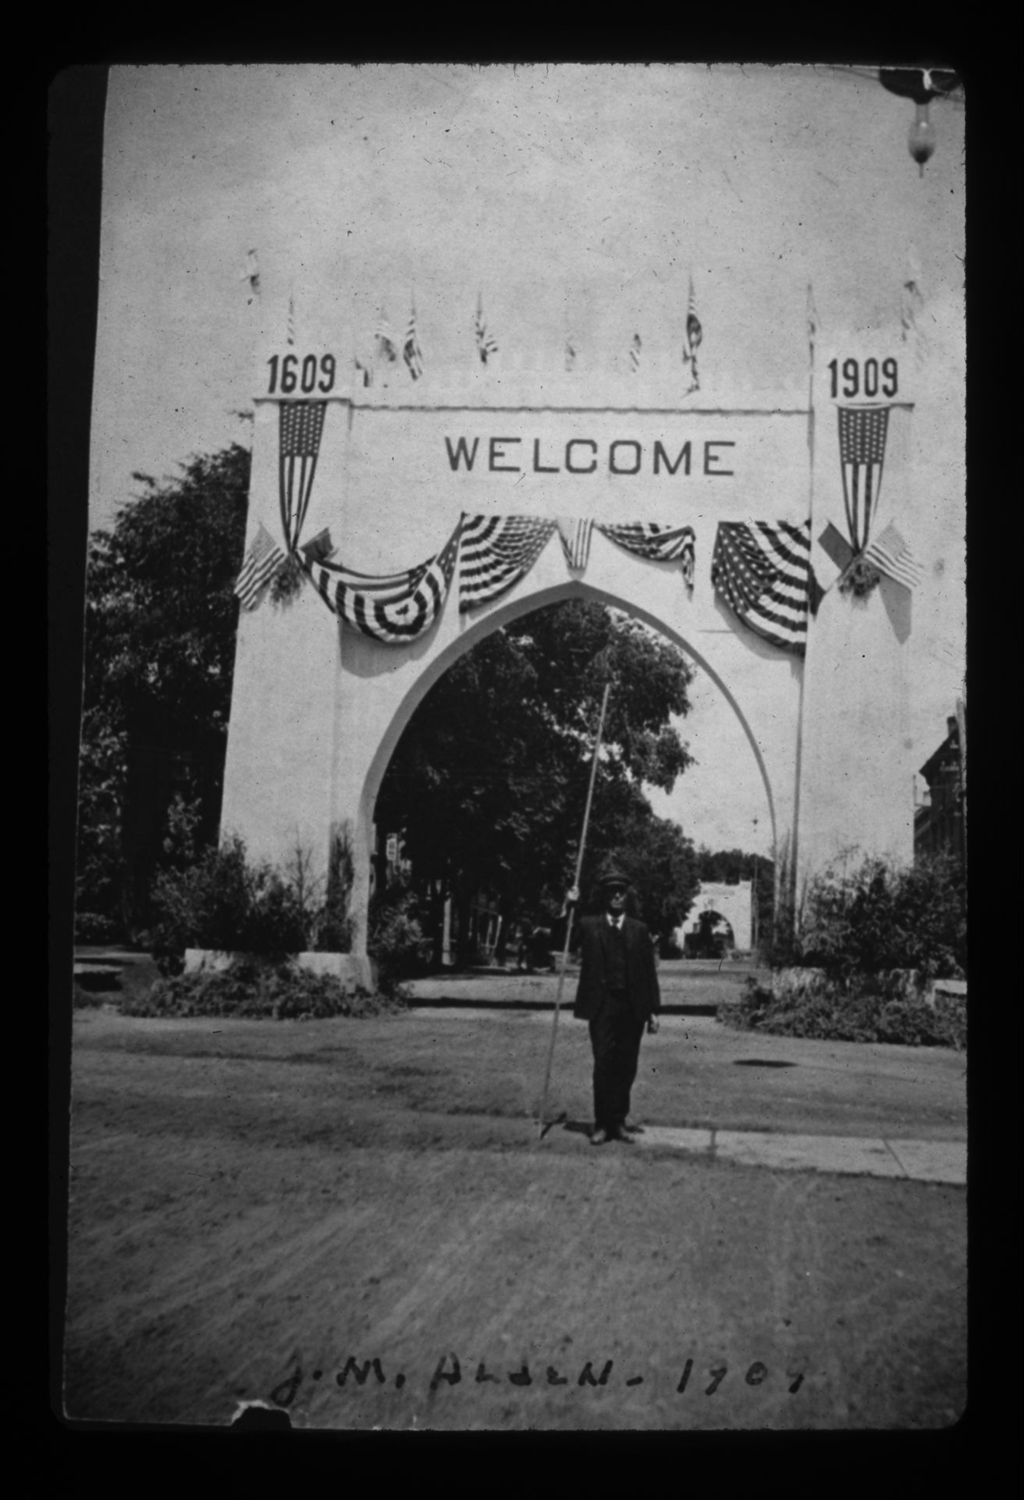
(495, 552)
(396, 608)
(762, 572)
(656, 542)
(262, 561)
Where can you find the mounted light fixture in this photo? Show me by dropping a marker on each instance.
(922, 85)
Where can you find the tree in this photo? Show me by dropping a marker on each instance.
(159, 653)
(489, 781)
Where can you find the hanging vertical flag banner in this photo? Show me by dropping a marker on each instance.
(862, 434)
(486, 343)
(262, 561)
(635, 351)
(301, 424)
(411, 349)
(396, 608)
(575, 538)
(762, 572)
(658, 543)
(291, 321)
(495, 552)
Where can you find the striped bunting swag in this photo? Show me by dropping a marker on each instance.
(495, 552)
(263, 559)
(300, 425)
(575, 538)
(890, 554)
(395, 609)
(658, 543)
(763, 573)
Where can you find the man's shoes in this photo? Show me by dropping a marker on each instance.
(633, 1129)
(599, 1138)
(623, 1135)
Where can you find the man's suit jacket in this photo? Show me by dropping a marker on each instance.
(641, 971)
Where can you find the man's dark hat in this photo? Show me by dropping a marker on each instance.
(612, 875)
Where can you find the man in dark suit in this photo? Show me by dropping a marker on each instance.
(618, 995)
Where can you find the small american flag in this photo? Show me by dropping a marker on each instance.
(890, 554)
(763, 572)
(301, 424)
(657, 542)
(813, 322)
(387, 349)
(251, 274)
(495, 552)
(262, 561)
(575, 538)
(395, 608)
(411, 348)
(692, 340)
(862, 434)
(486, 343)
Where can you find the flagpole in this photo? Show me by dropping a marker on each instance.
(792, 878)
(568, 924)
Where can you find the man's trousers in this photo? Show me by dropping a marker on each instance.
(615, 1035)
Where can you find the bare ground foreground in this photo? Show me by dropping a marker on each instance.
(355, 1220)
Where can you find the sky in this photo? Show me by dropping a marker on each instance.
(564, 196)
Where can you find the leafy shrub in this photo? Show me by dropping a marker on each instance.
(92, 927)
(250, 989)
(230, 905)
(397, 942)
(874, 918)
(83, 999)
(888, 1008)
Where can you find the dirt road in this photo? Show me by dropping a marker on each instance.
(355, 1220)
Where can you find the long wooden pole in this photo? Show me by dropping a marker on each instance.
(568, 925)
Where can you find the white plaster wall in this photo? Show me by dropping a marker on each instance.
(857, 756)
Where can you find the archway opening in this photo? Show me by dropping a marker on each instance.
(477, 796)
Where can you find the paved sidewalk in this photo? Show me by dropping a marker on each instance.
(918, 1161)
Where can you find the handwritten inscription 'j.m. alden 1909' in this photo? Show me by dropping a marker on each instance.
(584, 455)
(449, 1372)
